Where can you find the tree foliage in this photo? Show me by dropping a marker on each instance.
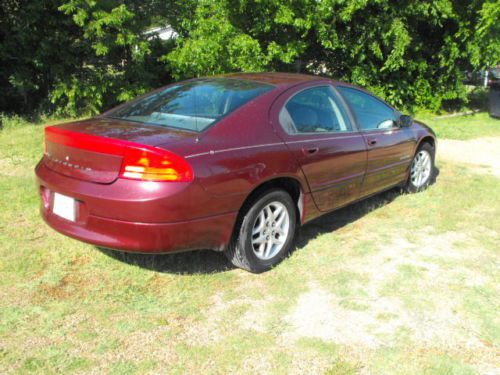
(413, 53)
(77, 56)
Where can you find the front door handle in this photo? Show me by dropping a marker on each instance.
(372, 141)
(310, 150)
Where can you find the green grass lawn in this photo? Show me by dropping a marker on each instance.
(463, 127)
(397, 284)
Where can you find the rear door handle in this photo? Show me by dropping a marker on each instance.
(310, 150)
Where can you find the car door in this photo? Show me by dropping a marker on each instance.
(319, 132)
(390, 147)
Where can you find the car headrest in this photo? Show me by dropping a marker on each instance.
(303, 116)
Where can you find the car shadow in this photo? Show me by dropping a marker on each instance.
(208, 261)
(190, 262)
(337, 219)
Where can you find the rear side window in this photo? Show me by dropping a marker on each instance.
(370, 112)
(193, 105)
(314, 110)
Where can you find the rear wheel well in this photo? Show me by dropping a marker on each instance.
(290, 185)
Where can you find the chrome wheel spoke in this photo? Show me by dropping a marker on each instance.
(269, 247)
(259, 224)
(269, 213)
(281, 219)
(262, 248)
(277, 212)
(259, 240)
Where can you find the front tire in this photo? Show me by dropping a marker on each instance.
(264, 232)
(422, 169)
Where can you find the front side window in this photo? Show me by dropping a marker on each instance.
(192, 105)
(314, 110)
(370, 112)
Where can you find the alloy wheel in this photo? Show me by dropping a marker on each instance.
(421, 168)
(270, 230)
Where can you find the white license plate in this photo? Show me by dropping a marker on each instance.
(64, 207)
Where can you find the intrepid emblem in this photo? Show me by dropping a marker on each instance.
(66, 164)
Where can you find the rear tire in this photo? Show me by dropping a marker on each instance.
(264, 232)
(422, 169)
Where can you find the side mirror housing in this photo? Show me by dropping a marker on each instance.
(405, 121)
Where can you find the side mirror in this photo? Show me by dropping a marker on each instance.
(405, 121)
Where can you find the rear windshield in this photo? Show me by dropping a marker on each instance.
(193, 105)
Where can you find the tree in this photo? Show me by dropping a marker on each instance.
(413, 54)
(80, 56)
(119, 61)
(34, 49)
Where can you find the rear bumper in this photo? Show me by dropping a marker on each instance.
(130, 216)
(208, 233)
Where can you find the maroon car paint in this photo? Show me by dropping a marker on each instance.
(230, 160)
(334, 164)
(389, 155)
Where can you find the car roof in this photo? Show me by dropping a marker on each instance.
(276, 79)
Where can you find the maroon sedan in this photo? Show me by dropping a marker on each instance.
(232, 163)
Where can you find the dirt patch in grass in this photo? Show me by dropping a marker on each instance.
(318, 314)
(247, 314)
(402, 302)
(482, 153)
(72, 285)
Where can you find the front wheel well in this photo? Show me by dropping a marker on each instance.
(429, 140)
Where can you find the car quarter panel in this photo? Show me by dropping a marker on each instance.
(240, 153)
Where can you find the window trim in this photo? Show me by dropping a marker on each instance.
(348, 117)
(358, 124)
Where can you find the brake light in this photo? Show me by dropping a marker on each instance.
(154, 165)
(140, 162)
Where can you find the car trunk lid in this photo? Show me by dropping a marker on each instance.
(93, 150)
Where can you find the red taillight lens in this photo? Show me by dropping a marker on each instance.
(152, 165)
(140, 162)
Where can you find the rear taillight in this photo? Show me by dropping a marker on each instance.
(153, 165)
(140, 162)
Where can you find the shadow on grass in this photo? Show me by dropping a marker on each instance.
(337, 219)
(207, 261)
(191, 262)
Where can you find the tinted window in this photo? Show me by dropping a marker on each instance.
(192, 105)
(370, 112)
(314, 110)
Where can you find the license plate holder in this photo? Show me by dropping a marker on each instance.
(64, 207)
